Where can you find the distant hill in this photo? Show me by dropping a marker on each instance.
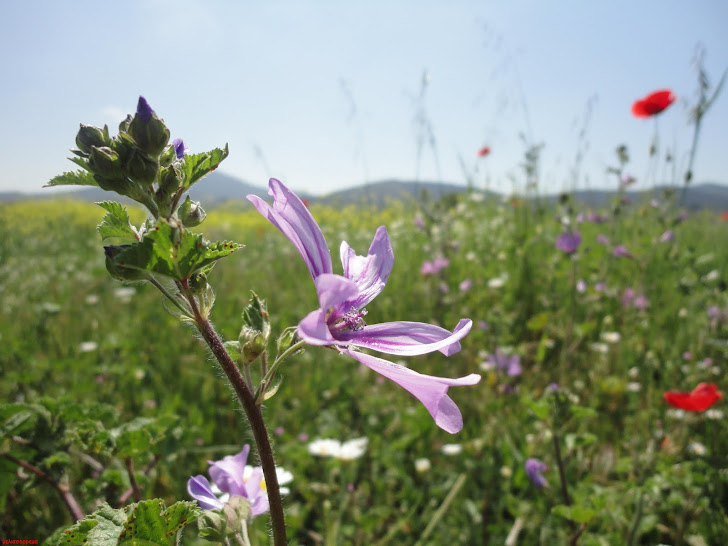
(218, 188)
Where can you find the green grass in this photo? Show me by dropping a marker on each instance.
(630, 462)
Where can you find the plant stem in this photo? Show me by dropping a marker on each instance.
(71, 503)
(437, 516)
(132, 480)
(170, 297)
(253, 412)
(564, 487)
(265, 383)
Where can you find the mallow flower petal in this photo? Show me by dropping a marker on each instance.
(293, 219)
(257, 496)
(199, 489)
(407, 338)
(333, 291)
(369, 273)
(428, 389)
(314, 330)
(227, 473)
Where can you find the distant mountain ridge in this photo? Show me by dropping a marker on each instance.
(218, 188)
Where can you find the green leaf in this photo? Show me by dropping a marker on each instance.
(146, 522)
(540, 408)
(76, 178)
(14, 422)
(538, 322)
(198, 165)
(116, 223)
(577, 514)
(173, 252)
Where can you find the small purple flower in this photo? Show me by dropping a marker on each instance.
(419, 222)
(339, 320)
(667, 237)
(230, 477)
(621, 252)
(581, 286)
(144, 111)
(600, 287)
(534, 467)
(511, 364)
(641, 302)
(568, 241)
(628, 297)
(553, 387)
(595, 218)
(654, 203)
(627, 180)
(602, 239)
(435, 266)
(179, 148)
(580, 218)
(465, 285)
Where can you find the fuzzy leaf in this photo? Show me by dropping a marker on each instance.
(146, 522)
(173, 252)
(75, 178)
(116, 223)
(198, 165)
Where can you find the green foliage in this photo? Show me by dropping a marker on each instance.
(143, 523)
(198, 165)
(75, 178)
(116, 223)
(173, 251)
(629, 460)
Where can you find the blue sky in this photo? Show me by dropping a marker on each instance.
(325, 94)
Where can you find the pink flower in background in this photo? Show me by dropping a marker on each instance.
(465, 285)
(435, 266)
(667, 237)
(621, 252)
(602, 239)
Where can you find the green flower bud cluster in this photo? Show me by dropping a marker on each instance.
(140, 163)
(255, 332)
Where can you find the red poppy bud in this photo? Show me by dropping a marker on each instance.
(485, 150)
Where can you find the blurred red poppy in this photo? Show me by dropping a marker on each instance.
(485, 150)
(724, 216)
(700, 399)
(653, 104)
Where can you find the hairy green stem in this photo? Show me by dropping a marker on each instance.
(253, 412)
(170, 297)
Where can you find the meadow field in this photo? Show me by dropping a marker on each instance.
(103, 387)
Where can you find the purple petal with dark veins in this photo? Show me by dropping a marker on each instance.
(407, 338)
(369, 273)
(428, 389)
(227, 473)
(199, 489)
(293, 219)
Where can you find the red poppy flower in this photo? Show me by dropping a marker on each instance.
(485, 150)
(724, 216)
(653, 104)
(702, 397)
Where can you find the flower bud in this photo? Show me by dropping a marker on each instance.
(124, 125)
(168, 156)
(255, 332)
(212, 526)
(105, 162)
(148, 130)
(191, 213)
(117, 269)
(170, 179)
(198, 283)
(142, 168)
(89, 136)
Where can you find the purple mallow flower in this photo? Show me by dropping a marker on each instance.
(511, 364)
(602, 239)
(339, 321)
(621, 252)
(435, 266)
(179, 148)
(144, 111)
(534, 467)
(667, 237)
(230, 477)
(568, 241)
